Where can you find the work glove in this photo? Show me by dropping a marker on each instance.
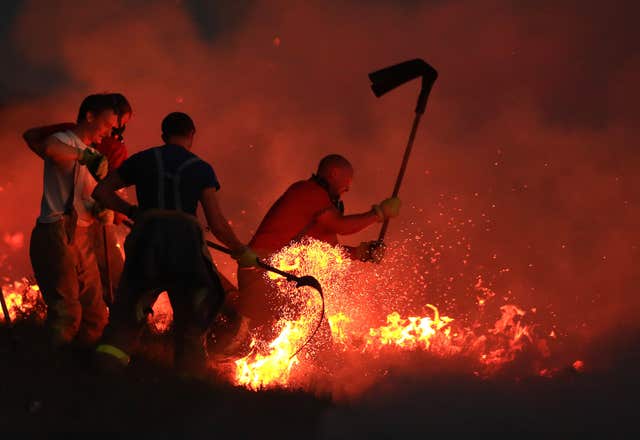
(370, 251)
(95, 162)
(388, 208)
(245, 257)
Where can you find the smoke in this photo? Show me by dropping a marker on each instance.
(528, 137)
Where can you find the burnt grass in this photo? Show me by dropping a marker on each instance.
(42, 391)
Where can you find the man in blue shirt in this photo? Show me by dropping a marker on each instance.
(165, 249)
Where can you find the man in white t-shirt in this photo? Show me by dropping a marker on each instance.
(62, 254)
(106, 232)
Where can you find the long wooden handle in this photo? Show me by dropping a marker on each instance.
(403, 168)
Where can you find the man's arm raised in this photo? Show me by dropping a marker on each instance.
(59, 152)
(36, 137)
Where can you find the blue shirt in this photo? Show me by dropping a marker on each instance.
(142, 170)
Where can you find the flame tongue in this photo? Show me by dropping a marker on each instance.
(23, 300)
(411, 333)
(256, 370)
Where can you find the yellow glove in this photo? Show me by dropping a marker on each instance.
(388, 208)
(95, 162)
(245, 257)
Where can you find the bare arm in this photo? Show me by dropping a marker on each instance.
(59, 152)
(217, 221)
(332, 220)
(36, 137)
(105, 194)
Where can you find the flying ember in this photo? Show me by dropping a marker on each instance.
(356, 328)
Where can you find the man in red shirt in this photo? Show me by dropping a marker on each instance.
(104, 232)
(308, 208)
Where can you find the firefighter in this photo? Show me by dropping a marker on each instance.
(165, 249)
(61, 252)
(103, 234)
(308, 208)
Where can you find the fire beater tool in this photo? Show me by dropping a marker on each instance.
(306, 280)
(7, 320)
(387, 79)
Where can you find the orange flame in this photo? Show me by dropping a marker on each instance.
(331, 267)
(162, 314)
(23, 300)
(258, 371)
(413, 332)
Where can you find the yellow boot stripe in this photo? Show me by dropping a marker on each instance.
(115, 352)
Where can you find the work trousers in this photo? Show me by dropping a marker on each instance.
(67, 273)
(165, 251)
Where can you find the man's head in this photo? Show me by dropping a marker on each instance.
(97, 116)
(178, 129)
(124, 111)
(337, 172)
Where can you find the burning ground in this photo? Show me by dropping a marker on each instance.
(376, 317)
(384, 361)
(374, 313)
(405, 376)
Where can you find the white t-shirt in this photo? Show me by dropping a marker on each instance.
(58, 181)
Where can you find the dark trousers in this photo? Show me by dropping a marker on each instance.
(67, 273)
(165, 252)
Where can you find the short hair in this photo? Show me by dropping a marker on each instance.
(96, 104)
(178, 124)
(122, 104)
(333, 161)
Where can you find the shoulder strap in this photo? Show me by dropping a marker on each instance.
(161, 176)
(176, 181)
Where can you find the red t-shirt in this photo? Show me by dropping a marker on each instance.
(293, 216)
(116, 153)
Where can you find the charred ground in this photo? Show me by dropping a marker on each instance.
(61, 393)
